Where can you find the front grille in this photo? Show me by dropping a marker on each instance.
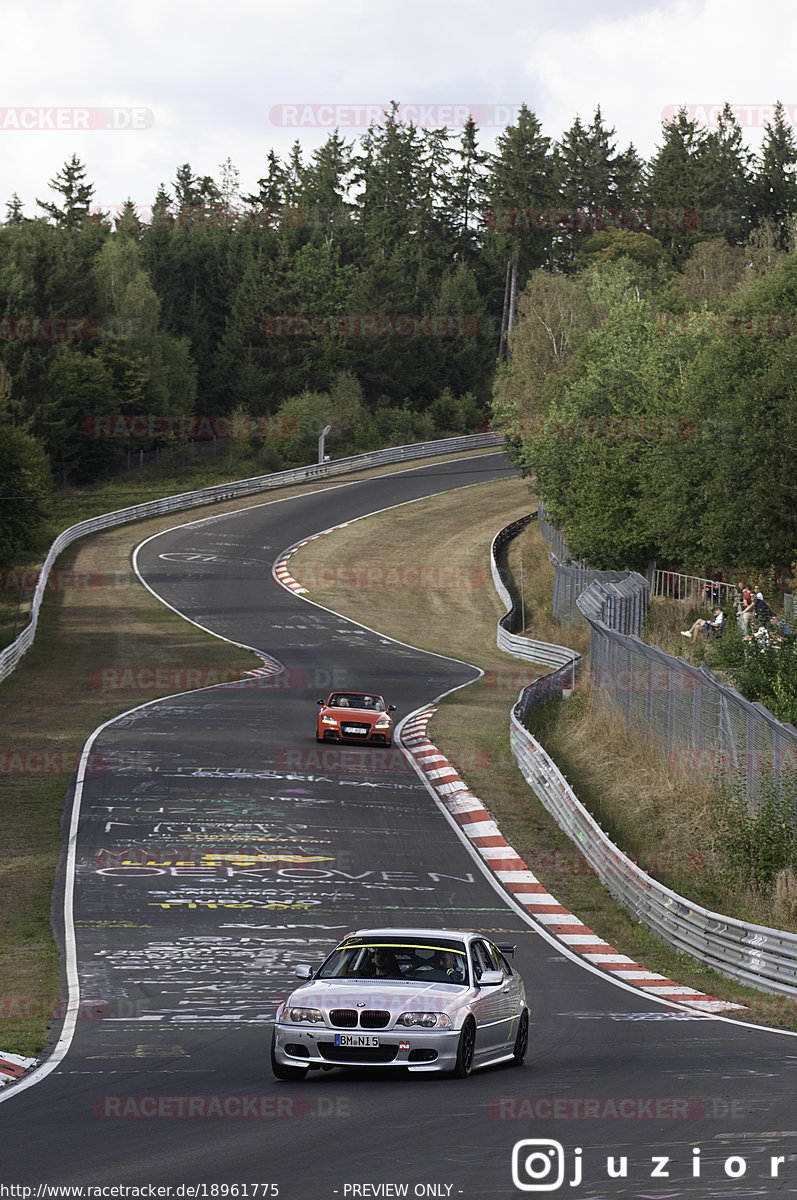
(374, 1019)
(357, 1054)
(343, 1018)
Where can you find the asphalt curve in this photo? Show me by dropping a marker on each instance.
(214, 849)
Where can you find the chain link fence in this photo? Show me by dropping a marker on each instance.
(626, 605)
(702, 726)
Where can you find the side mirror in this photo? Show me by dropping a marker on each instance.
(321, 702)
(391, 708)
(303, 971)
(491, 979)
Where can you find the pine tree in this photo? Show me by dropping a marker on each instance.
(76, 192)
(522, 186)
(675, 181)
(186, 191)
(775, 182)
(725, 180)
(229, 189)
(162, 217)
(270, 196)
(326, 183)
(466, 196)
(294, 177)
(326, 178)
(14, 214)
(388, 171)
(128, 222)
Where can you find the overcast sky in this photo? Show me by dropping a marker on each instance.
(203, 82)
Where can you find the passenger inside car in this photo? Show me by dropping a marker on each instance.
(385, 964)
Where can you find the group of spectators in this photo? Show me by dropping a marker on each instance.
(751, 610)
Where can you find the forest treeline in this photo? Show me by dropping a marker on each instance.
(536, 278)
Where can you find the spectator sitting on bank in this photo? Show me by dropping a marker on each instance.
(771, 634)
(761, 638)
(710, 627)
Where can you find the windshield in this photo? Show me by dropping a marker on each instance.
(436, 960)
(356, 700)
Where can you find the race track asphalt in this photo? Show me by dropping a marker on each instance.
(216, 846)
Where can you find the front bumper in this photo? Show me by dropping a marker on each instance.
(375, 738)
(410, 1049)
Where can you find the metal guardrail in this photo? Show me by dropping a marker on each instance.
(522, 647)
(753, 954)
(9, 658)
(695, 588)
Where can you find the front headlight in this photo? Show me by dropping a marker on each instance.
(382, 725)
(424, 1020)
(328, 721)
(297, 1015)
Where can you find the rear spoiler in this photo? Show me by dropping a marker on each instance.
(505, 948)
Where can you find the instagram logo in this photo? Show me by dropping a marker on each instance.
(538, 1165)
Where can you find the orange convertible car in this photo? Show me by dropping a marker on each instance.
(355, 717)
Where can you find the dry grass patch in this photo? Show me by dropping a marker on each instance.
(527, 560)
(411, 573)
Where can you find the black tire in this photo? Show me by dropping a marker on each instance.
(521, 1039)
(465, 1049)
(289, 1074)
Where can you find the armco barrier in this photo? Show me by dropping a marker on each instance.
(226, 491)
(753, 954)
(521, 647)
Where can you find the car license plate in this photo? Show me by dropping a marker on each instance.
(356, 1039)
(355, 728)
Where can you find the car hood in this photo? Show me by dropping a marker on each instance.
(394, 996)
